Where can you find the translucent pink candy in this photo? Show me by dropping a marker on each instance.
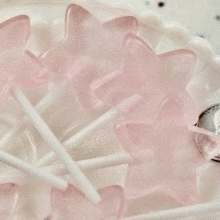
(14, 33)
(73, 205)
(87, 37)
(145, 73)
(17, 65)
(8, 200)
(178, 150)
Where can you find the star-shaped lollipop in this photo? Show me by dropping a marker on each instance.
(179, 149)
(17, 65)
(86, 37)
(9, 195)
(145, 73)
(20, 69)
(73, 205)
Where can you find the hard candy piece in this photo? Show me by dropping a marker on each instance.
(17, 65)
(86, 37)
(73, 205)
(178, 150)
(145, 73)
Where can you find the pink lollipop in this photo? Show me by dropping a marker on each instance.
(14, 38)
(20, 69)
(86, 37)
(17, 65)
(80, 69)
(145, 73)
(73, 205)
(178, 150)
(9, 195)
(142, 72)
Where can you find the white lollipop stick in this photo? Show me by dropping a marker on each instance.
(7, 140)
(103, 162)
(33, 171)
(90, 129)
(180, 213)
(43, 104)
(52, 141)
(81, 136)
(93, 164)
(85, 165)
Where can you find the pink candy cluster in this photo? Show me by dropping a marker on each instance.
(109, 63)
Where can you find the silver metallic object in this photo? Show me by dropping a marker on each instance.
(210, 120)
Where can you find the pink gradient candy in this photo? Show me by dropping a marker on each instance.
(82, 72)
(18, 66)
(178, 150)
(73, 205)
(145, 73)
(8, 200)
(86, 37)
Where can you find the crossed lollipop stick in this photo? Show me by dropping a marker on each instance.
(19, 69)
(16, 80)
(154, 76)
